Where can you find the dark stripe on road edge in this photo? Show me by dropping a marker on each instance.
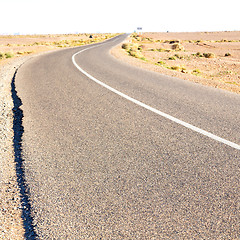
(20, 172)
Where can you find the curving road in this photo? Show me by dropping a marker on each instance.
(101, 166)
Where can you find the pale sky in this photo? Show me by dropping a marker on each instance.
(71, 16)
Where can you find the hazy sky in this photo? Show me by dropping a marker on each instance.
(71, 16)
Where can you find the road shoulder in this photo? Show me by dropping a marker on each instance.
(11, 223)
(11, 202)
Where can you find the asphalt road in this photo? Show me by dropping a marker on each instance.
(99, 166)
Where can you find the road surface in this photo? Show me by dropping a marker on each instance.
(98, 165)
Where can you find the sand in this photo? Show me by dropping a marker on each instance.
(189, 62)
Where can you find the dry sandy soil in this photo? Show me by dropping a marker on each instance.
(209, 58)
(14, 51)
(16, 46)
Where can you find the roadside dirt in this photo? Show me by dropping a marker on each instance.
(11, 223)
(21, 45)
(208, 58)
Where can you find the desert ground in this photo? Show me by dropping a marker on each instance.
(209, 58)
(20, 45)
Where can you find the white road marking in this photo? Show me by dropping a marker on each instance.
(165, 115)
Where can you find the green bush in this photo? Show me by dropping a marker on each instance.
(9, 55)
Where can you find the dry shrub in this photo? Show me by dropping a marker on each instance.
(177, 47)
(134, 47)
(174, 41)
(209, 55)
(143, 47)
(179, 68)
(130, 46)
(198, 54)
(196, 71)
(176, 68)
(9, 55)
(126, 46)
(135, 54)
(163, 50)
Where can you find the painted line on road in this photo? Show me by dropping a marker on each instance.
(165, 115)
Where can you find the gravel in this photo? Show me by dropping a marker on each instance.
(11, 204)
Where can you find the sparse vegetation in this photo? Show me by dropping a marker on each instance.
(133, 50)
(178, 68)
(6, 55)
(161, 62)
(178, 56)
(134, 46)
(174, 41)
(209, 55)
(126, 46)
(41, 43)
(177, 47)
(196, 71)
(9, 55)
(194, 52)
(24, 52)
(135, 54)
(159, 50)
(163, 50)
(198, 54)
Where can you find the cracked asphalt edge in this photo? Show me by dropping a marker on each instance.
(11, 214)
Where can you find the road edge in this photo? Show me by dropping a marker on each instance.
(13, 224)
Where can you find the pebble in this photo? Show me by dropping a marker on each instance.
(11, 223)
